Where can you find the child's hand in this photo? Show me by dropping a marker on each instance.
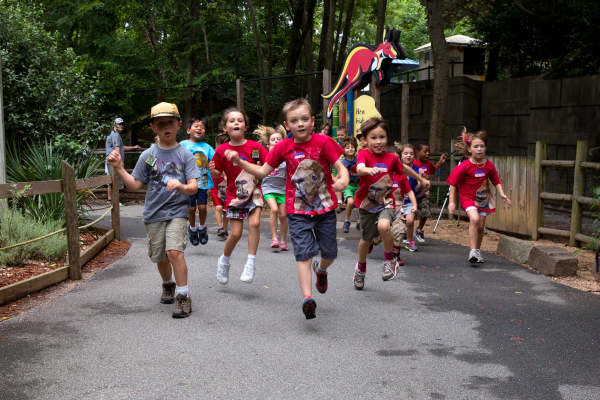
(212, 168)
(339, 185)
(374, 171)
(136, 147)
(443, 158)
(413, 209)
(174, 184)
(505, 199)
(232, 155)
(451, 207)
(425, 184)
(114, 159)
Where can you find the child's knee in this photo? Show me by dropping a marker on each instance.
(174, 255)
(254, 223)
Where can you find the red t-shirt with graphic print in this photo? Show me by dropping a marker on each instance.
(308, 182)
(375, 192)
(474, 185)
(401, 189)
(425, 167)
(243, 189)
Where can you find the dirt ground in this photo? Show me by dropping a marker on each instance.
(584, 280)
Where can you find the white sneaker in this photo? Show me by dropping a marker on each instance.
(222, 272)
(479, 256)
(475, 256)
(247, 274)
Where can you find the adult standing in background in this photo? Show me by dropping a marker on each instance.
(115, 142)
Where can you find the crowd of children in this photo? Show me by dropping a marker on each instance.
(304, 178)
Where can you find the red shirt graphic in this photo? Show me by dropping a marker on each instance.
(474, 186)
(308, 182)
(401, 189)
(374, 192)
(425, 167)
(243, 189)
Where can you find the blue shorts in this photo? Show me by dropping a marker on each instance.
(200, 198)
(311, 233)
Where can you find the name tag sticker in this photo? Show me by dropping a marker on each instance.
(151, 161)
(479, 174)
(255, 154)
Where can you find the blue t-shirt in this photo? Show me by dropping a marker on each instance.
(353, 175)
(417, 190)
(203, 153)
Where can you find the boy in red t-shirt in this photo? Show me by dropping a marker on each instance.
(376, 169)
(426, 169)
(310, 194)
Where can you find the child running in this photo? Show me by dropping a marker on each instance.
(273, 187)
(349, 161)
(243, 198)
(410, 205)
(218, 196)
(426, 169)
(203, 153)
(171, 174)
(475, 195)
(376, 168)
(310, 195)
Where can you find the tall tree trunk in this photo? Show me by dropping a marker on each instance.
(296, 41)
(269, 46)
(441, 58)
(206, 45)
(347, 27)
(323, 49)
(191, 67)
(491, 72)
(237, 37)
(313, 89)
(261, 72)
(381, 20)
(329, 55)
(337, 34)
(152, 37)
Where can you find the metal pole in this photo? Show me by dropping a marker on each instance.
(2, 140)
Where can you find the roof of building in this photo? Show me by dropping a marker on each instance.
(406, 61)
(456, 40)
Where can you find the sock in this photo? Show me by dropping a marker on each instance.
(307, 297)
(396, 249)
(225, 260)
(201, 227)
(251, 259)
(193, 228)
(339, 202)
(169, 281)
(362, 267)
(388, 256)
(346, 220)
(320, 271)
(182, 290)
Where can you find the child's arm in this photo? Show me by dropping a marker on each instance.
(502, 195)
(215, 173)
(442, 160)
(114, 159)
(259, 171)
(413, 200)
(361, 170)
(190, 188)
(452, 200)
(411, 172)
(343, 178)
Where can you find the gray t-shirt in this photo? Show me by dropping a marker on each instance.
(275, 181)
(114, 140)
(156, 167)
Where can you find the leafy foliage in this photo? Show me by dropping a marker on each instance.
(47, 94)
(43, 163)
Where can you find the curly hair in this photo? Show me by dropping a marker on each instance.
(463, 142)
(349, 140)
(264, 134)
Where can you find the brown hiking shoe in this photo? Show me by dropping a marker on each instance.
(168, 293)
(183, 306)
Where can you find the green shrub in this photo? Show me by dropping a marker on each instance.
(17, 228)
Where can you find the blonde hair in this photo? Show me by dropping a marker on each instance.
(264, 134)
(223, 137)
(294, 104)
(404, 146)
(463, 142)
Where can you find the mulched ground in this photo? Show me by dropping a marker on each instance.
(111, 253)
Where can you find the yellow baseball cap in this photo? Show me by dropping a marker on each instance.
(164, 110)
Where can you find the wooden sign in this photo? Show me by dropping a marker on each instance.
(364, 108)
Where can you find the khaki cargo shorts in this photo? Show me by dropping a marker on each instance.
(164, 236)
(398, 231)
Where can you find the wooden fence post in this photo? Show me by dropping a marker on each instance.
(326, 90)
(452, 166)
(116, 211)
(375, 93)
(404, 113)
(72, 225)
(576, 208)
(539, 186)
(239, 88)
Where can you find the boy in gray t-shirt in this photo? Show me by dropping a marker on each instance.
(171, 174)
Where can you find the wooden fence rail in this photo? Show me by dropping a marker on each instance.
(577, 199)
(76, 259)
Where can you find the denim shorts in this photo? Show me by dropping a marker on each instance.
(199, 199)
(311, 233)
(481, 212)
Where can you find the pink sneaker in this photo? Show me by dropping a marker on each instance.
(283, 246)
(274, 244)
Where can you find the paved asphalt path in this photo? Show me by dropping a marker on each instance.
(441, 330)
